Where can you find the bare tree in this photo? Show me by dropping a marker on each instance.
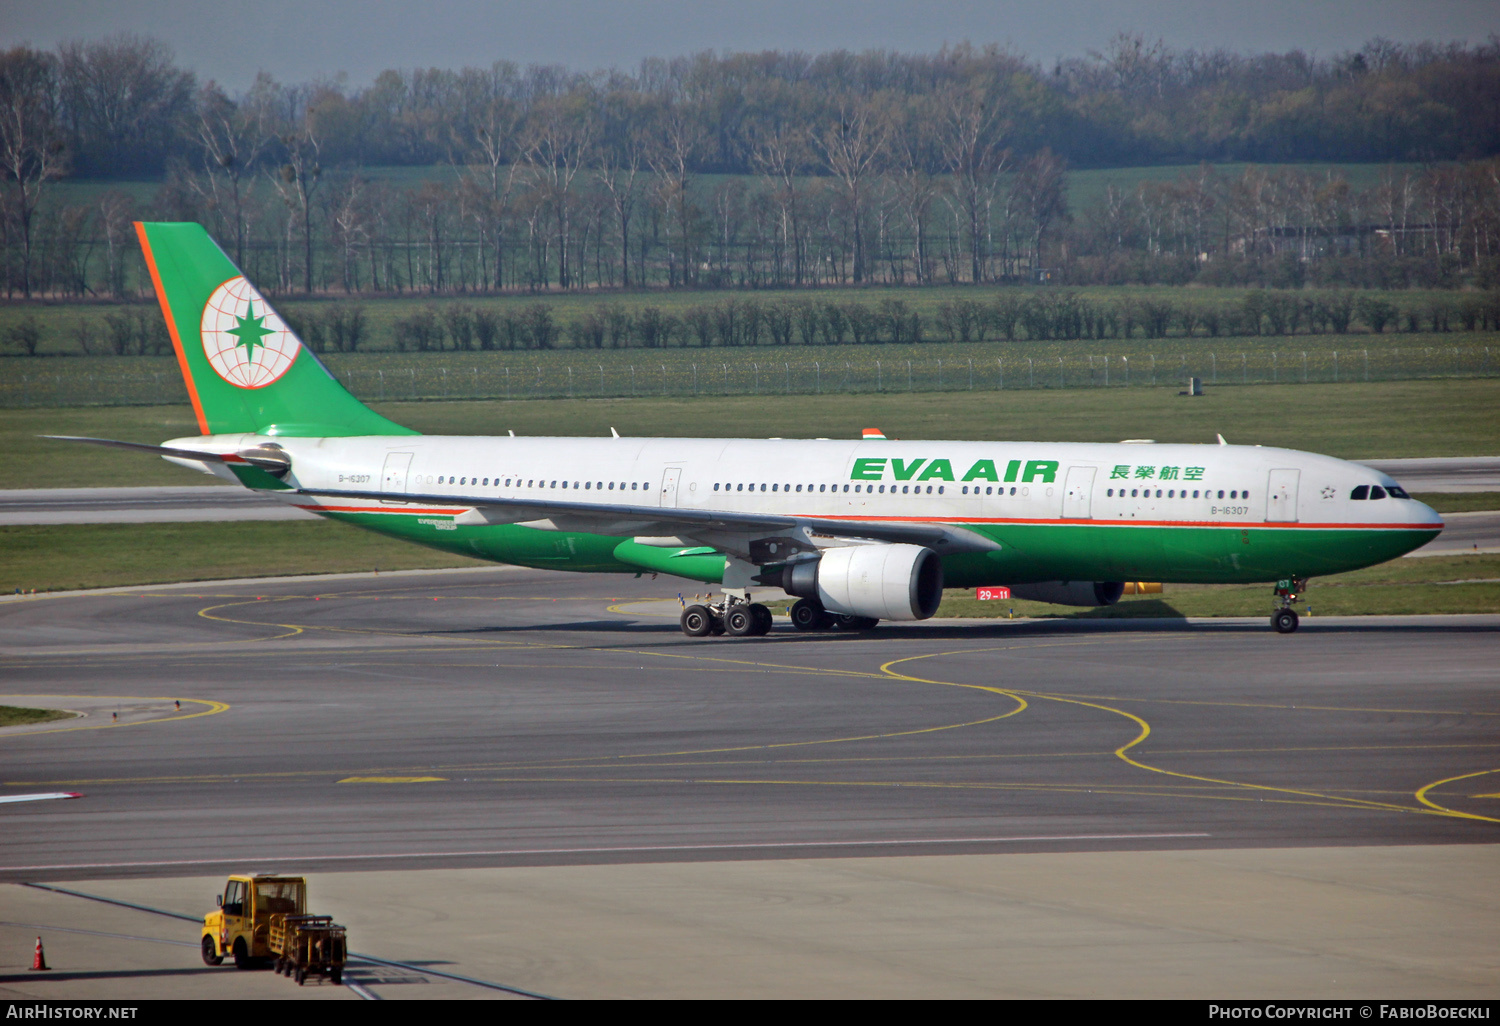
(970, 138)
(125, 100)
(851, 148)
(673, 147)
(494, 121)
(1043, 188)
(778, 155)
(621, 154)
(232, 136)
(298, 178)
(559, 138)
(32, 152)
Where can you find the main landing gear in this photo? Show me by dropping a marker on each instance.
(809, 615)
(1284, 619)
(740, 618)
(733, 616)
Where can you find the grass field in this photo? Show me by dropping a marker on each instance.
(1352, 421)
(110, 555)
(1460, 502)
(1435, 584)
(18, 716)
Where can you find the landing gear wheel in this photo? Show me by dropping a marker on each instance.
(336, 975)
(809, 616)
(739, 621)
(845, 622)
(301, 977)
(697, 621)
(211, 954)
(1284, 620)
(763, 619)
(242, 959)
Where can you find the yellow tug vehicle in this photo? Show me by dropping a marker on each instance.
(263, 920)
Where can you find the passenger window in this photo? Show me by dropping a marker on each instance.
(1362, 492)
(1158, 493)
(846, 488)
(1195, 493)
(1234, 495)
(612, 486)
(1134, 493)
(1221, 493)
(904, 489)
(823, 488)
(773, 488)
(1377, 492)
(940, 489)
(856, 487)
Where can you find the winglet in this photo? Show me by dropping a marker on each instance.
(1221, 440)
(613, 433)
(873, 434)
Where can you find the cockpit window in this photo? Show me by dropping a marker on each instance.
(1397, 492)
(1362, 492)
(1377, 492)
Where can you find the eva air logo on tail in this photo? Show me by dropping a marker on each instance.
(245, 342)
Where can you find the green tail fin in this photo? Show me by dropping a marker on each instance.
(245, 369)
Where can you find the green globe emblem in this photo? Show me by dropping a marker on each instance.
(250, 329)
(245, 342)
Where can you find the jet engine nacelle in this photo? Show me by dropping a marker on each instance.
(1071, 593)
(887, 582)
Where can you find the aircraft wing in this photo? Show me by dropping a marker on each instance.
(723, 529)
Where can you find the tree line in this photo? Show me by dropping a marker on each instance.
(1008, 315)
(774, 169)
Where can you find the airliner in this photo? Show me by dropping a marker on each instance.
(857, 531)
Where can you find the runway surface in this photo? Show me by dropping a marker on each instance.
(534, 778)
(145, 505)
(515, 717)
(1444, 473)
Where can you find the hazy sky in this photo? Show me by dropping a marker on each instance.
(299, 40)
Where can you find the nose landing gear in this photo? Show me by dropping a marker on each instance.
(1284, 619)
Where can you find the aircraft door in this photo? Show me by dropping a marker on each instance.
(669, 487)
(397, 465)
(1078, 494)
(1281, 496)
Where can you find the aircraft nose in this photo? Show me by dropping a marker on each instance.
(1425, 516)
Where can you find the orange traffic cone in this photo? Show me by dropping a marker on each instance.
(39, 961)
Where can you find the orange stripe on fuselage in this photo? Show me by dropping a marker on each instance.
(166, 310)
(316, 508)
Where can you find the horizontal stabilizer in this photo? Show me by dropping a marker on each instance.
(270, 460)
